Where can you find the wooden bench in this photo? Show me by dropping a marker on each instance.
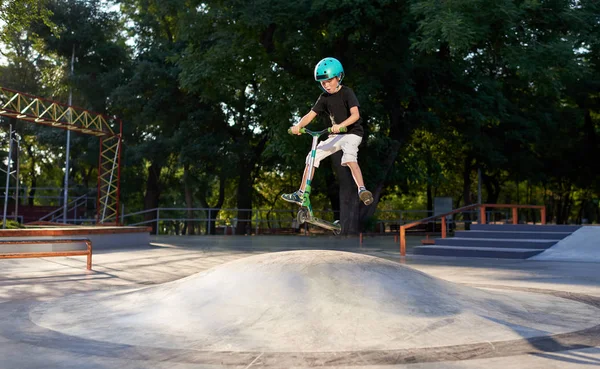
(45, 254)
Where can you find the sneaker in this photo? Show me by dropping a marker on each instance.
(366, 197)
(293, 197)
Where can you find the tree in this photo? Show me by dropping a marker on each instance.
(294, 36)
(515, 60)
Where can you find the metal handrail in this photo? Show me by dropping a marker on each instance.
(61, 209)
(482, 218)
(514, 211)
(43, 254)
(257, 216)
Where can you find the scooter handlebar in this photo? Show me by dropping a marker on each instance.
(304, 130)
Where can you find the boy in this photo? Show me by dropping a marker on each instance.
(340, 105)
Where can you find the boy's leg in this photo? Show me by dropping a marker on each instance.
(324, 149)
(356, 174)
(303, 184)
(350, 159)
(297, 197)
(365, 195)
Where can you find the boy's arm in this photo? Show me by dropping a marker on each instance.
(304, 122)
(354, 116)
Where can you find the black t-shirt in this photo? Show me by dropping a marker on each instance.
(335, 108)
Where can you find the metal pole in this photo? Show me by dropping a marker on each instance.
(7, 175)
(17, 178)
(66, 192)
(112, 171)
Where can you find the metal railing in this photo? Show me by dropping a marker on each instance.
(226, 220)
(43, 254)
(18, 218)
(46, 196)
(167, 220)
(52, 197)
(72, 206)
(482, 218)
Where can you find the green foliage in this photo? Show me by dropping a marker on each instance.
(207, 91)
(370, 224)
(13, 224)
(18, 15)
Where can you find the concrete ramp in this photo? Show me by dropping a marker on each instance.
(310, 301)
(581, 245)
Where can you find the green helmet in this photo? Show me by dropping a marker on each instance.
(327, 69)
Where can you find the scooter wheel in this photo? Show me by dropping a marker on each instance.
(302, 215)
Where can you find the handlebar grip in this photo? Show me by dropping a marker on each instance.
(302, 130)
(342, 129)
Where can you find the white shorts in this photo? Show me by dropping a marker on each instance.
(348, 143)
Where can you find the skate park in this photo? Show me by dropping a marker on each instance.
(497, 295)
(294, 301)
(163, 206)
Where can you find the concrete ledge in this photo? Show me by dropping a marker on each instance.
(101, 237)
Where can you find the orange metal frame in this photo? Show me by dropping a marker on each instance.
(482, 218)
(110, 131)
(23, 255)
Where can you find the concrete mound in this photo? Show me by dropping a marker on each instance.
(310, 301)
(581, 246)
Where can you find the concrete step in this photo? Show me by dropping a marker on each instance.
(525, 227)
(477, 252)
(495, 242)
(522, 235)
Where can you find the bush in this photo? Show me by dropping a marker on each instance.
(13, 224)
(370, 224)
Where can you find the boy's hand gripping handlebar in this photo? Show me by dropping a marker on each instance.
(328, 130)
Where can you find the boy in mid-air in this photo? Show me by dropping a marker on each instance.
(340, 105)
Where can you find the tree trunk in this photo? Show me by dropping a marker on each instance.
(592, 149)
(349, 201)
(247, 175)
(214, 213)
(190, 225)
(152, 195)
(565, 206)
(388, 164)
(244, 202)
(468, 168)
(333, 188)
(31, 194)
(492, 186)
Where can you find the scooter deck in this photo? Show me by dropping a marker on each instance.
(325, 224)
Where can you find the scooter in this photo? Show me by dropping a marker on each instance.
(305, 214)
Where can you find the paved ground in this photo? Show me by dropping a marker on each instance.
(26, 284)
